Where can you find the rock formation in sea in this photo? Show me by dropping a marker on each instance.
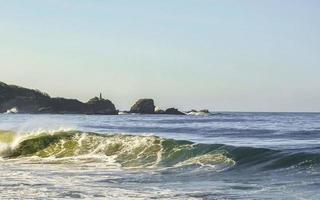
(158, 110)
(101, 106)
(173, 111)
(205, 111)
(15, 99)
(143, 106)
(146, 106)
(23, 100)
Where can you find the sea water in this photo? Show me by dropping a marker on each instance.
(217, 156)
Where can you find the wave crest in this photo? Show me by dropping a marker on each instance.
(128, 151)
(133, 151)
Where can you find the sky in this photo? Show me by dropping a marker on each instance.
(222, 55)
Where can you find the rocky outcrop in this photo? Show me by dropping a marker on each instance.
(173, 111)
(205, 111)
(146, 106)
(25, 100)
(15, 99)
(101, 107)
(143, 106)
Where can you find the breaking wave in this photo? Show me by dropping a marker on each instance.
(132, 151)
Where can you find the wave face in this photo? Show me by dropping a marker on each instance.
(129, 151)
(121, 150)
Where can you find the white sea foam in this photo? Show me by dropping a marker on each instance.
(198, 113)
(12, 110)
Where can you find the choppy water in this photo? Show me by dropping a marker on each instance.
(222, 156)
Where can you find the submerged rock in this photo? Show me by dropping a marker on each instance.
(143, 106)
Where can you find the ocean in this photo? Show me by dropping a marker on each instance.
(228, 155)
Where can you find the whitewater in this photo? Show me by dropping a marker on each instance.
(218, 156)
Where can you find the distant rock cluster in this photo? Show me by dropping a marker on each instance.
(15, 99)
(146, 106)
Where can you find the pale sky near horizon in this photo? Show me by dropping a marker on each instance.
(226, 55)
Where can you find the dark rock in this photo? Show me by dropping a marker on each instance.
(173, 111)
(25, 100)
(101, 106)
(143, 106)
(33, 101)
(205, 111)
(66, 106)
(157, 110)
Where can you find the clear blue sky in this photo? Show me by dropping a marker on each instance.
(243, 55)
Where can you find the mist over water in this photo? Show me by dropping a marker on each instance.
(221, 156)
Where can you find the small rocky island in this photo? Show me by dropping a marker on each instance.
(15, 99)
(146, 106)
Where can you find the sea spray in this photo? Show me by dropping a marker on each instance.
(36, 124)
